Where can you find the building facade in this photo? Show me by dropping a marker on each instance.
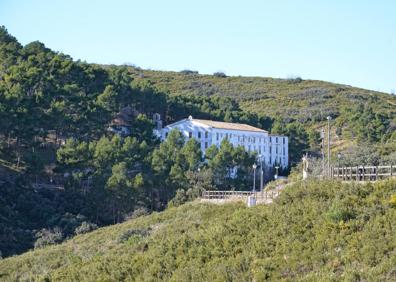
(271, 149)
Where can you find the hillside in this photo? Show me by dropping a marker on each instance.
(290, 99)
(61, 169)
(315, 231)
(298, 108)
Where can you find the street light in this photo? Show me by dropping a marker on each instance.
(254, 177)
(261, 173)
(276, 174)
(328, 145)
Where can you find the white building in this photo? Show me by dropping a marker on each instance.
(272, 149)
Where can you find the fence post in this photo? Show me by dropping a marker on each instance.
(363, 171)
(391, 171)
(342, 173)
(351, 174)
(376, 173)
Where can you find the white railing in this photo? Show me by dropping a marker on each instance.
(224, 195)
(363, 173)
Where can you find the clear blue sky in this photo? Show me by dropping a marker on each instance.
(351, 42)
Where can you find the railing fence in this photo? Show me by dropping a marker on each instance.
(219, 195)
(363, 173)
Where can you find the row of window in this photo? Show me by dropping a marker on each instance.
(241, 138)
(261, 149)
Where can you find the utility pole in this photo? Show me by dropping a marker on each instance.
(322, 137)
(328, 146)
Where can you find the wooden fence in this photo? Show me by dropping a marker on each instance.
(363, 173)
(225, 195)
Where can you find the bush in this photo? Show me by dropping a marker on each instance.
(392, 201)
(179, 199)
(188, 72)
(85, 227)
(140, 211)
(47, 237)
(338, 214)
(219, 74)
(138, 233)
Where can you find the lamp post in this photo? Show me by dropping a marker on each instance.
(254, 177)
(276, 174)
(261, 173)
(328, 145)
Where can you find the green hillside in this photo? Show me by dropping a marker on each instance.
(315, 231)
(291, 99)
(298, 108)
(63, 171)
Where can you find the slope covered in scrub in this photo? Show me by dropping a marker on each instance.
(314, 231)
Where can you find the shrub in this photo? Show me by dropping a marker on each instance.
(179, 199)
(392, 201)
(188, 72)
(85, 227)
(219, 74)
(47, 237)
(139, 233)
(140, 211)
(338, 214)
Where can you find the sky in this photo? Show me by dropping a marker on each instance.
(350, 42)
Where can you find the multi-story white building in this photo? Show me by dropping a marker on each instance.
(271, 149)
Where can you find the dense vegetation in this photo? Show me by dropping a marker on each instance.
(54, 115)
(359, 115)
(47, 99)
(315, 231)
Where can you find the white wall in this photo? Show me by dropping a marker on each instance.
(265, 145)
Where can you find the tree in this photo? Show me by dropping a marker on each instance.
(108, 99)
(120, 186)
(73, 153)
(192, 154)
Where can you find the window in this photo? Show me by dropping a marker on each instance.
(166, 135)
(199, 135)
(270, 139)
(263, 148)
(284, 140)
(254, 139)
(270, 161)
(276, 139)
(206, 134)
(206, 145)
(270, 149)
(276, 150)
(190, 134)
(226, 136)
(259, 150)
(284, 151)
(249, 148)
(217, 136)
